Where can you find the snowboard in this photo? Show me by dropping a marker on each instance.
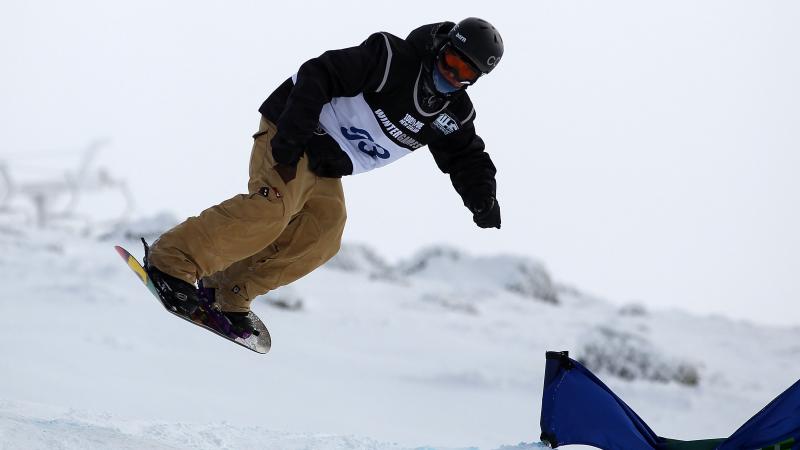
(206, 316)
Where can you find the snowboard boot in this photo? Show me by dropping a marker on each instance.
(179, 295)
(241, 323)
(233, 323)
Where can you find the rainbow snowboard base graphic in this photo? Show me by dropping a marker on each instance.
(206, 316)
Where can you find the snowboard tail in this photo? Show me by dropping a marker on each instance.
(206, 316)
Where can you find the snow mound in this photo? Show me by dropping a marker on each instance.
(515, 274)
(360, 258)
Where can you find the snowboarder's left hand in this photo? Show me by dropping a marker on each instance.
(286, 172)
(486, 213)
(287, 154)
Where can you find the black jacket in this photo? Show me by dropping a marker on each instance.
(390, 74)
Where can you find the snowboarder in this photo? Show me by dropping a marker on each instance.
(345, 112)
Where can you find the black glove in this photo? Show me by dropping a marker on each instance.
(486, 212)
(286, 153)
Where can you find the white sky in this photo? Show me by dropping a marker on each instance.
(647, 151)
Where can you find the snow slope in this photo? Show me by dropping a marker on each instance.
(444, 350)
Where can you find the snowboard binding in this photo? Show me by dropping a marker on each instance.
(251, 334)
(180, 296)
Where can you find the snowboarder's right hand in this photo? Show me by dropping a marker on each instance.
(286, 172)
(486, 213)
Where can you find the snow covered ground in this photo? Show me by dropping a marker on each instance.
(445, 350)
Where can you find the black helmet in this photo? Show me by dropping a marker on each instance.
(460, 54)
(479, 41)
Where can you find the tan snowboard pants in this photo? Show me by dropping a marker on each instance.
(256, 242)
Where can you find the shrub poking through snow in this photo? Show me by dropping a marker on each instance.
(632, 357)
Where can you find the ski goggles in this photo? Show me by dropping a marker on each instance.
(455, 68)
